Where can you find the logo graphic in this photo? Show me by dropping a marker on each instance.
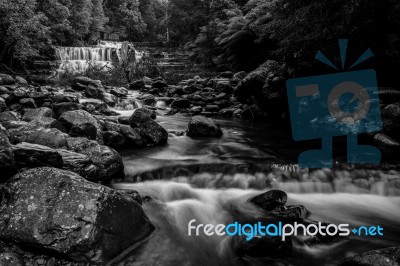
(341, 104)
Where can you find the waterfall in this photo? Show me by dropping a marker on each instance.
(78, 59)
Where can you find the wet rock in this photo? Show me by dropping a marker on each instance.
(147, 99)
(3, 106)
(78, 118)
(8, 116)
(132, 194)
(46, 122)
(94, 92)
(137, 85)
(119, 92)
(50, 137)
(27, 103)
(7, 162)
(262, 246)
(114, 139)
(292, 212)
(6, 79)
(60, 212)
(159, 83)
(196, 110)
(200, 126)
(60, 108)
(110, 99)
(86, 82)
(87, 130)
(131, 136)
(33, 155)
(80, 164)
(63, 98)
(124, 120)
(38, 113)
(148, 129)
(180, 103)
(270, 199)
(381, 257)
(108, 161)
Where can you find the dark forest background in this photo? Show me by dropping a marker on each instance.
(220, 34)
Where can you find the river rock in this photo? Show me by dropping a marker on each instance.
(9, 116)
(108, 161)
(292, 212)
(137, 85)
(114, 139)
(27, 103)
(270, 199)
(60, 108)
(6, 79)
(58, 211)
(78, 118)
(50, 137)
(38, 113)
(87, 130)
(200, 126)
(381, 257)
(180, 103)
(33, 155)
(80, 164)
(147, 99)
(131, 136)
(262, 246)
(85, 81)
(119, 92)
(148, 129)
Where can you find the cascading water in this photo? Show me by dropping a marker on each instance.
(78, 59)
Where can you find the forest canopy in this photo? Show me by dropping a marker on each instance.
(221, 34)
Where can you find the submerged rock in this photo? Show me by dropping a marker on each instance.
(59, 211)
(381, 257)
(201, 126)
(270, 199)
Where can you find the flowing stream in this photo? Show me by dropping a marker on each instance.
(212, 179)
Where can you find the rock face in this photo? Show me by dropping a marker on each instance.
(200, 126)
(148, 129)
(270, 199)
(381, 257)
(59, 211)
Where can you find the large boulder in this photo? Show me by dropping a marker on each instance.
(59, 212)
(108, 161)
(80, 117)
(381, 257)
(38, 113)
(50, 137)
(148, 129)
(270, 199)
(60, 108)
(200, 126)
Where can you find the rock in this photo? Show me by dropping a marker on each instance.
(212, 108)
(87, 130)
(87, 82)
(148, 129)
(46, 122)
(94, 92)
(224, 86)
(78, 118)
(80, 164)
(38, 113)
(110, 99)
(119, 92)
(8, 116)
(226, 75)
(59, 212)
(124, 120)
(114, 139)
(137, 85)
(3, 106)
(381, 257)
(59, 97)
(60, 108)
(13, 124)
(391, 119)
(180, 103)
(4, 90)
(33, 155)
(131, 136)
(21, 80)
(7, 161)
(6, 79)
(262, 246)
(270, 199)
(27, 103)
(147, 99)
(385, 141)
(238, 77)
(293, 212)
(108, 161)
(11, 259)
(200, 126)
(49, 137)
(159, 84)
(196, 110)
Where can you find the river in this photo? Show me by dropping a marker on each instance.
(212, 179)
